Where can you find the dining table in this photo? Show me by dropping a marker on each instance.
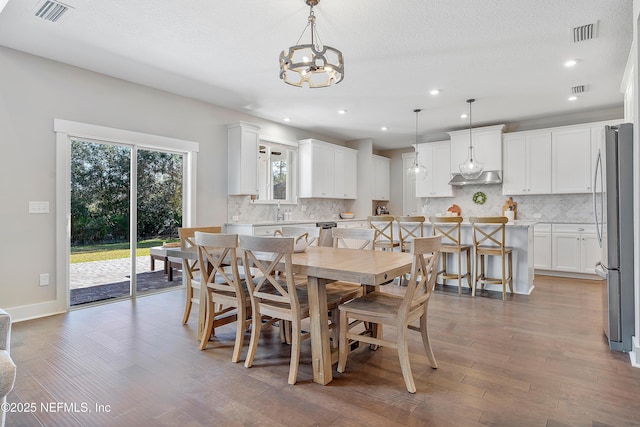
(322, 265)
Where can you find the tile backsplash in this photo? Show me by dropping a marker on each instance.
(247, 211)
(553, 208)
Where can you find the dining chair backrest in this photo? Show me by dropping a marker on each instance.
(312, 233)
(353, 238)
(448, 227)
(266, 255)
(383, 226)
(218, 251)
(187, 233)
(489, 231)
(409, 227)
(426, 254)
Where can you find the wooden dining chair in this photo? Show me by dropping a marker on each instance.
(489, 238)
(191, 268)
(449, 228)
(313, 233)
(383, 226)
(409, 227)
(223, 286)
(273, 295)
(399, 311)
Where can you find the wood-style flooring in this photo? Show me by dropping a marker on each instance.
(538, 360)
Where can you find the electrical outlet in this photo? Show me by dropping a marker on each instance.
(38, 207)
(312, 216)
(537, 215)
(235, 218)
(303, 208)
(44, 279)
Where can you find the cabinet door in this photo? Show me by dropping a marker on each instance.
(571, 160)
(542, 251)
(441, 170)
(590, 253)
(566, 252)
(488, 148)
(381, 171)
(515, 165)
(539, 163)
(424, 185)
(346, 173)
(242, 161)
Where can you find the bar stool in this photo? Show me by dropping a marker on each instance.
(383, 225)
(409, 227)
(489, 239)
(449, 228)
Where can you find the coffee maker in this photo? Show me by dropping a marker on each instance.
(382, 210)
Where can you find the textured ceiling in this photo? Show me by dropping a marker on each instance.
(508, 54)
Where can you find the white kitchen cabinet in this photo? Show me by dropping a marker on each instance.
(487, 147)
(574, 248)
(242, 161)
(346, 179)
(527, 163)
(381, 177)
(571, 160)
(542, 246)
(435, 156)
(326, 170)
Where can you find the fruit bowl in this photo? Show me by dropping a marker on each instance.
(347, 215)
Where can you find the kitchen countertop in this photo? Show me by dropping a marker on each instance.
(294, 222)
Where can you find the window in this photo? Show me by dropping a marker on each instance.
(275, 172)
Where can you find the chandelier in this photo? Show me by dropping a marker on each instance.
(416, 170)
(315, 64)
(470, 168)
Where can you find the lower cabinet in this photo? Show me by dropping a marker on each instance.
(542, 246)
(574, 248)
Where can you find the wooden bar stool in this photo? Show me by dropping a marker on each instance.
(489, 239)
(449, 228)
(409, 227)
(383, 225)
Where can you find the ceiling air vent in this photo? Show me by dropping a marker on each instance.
(585, 32)
(578, 89)
(52, 10)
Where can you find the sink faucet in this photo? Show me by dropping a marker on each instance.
(278, 211)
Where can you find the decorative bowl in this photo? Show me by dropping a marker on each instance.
(347, 215)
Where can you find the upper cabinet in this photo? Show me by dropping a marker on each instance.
(571, 160)
(242, 142)
(435, 156)
(527, 163)
(487, 147)
(326, 170)
(381, 177)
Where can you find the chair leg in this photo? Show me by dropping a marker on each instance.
(459, 273)
(256, 324)
(208, 320)
(240, 325)
(295, 351)
(504, 278)
(468, 252)
(443, 256)
(511, 272)
(403, 355)
(343, 350)
(475, 275)
(424, 330)
(187, 308)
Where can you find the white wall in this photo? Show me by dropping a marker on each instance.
(33, 92)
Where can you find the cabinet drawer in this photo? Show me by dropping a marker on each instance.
(542, 228)
(353, 224)
(265, 230)
(574, 228)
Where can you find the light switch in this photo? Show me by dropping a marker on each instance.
(44, 279)
(38, 207)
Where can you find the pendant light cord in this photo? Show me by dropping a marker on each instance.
(470, 101)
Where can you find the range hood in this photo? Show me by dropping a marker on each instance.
(486, 178)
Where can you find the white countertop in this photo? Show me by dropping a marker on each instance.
(516, 223)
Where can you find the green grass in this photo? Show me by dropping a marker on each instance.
(113, 251)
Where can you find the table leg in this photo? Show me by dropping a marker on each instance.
(320, 348)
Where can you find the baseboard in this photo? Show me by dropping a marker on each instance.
(35, 311)
(634, 354)
(567, 274)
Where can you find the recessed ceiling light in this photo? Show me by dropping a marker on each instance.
(384, 128)
(435, 91)
(572, 98)
(342, 111)
(287, 119)
(463, 116)
(570, 63)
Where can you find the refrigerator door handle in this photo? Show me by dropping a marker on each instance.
(601, 270)
(598, 172)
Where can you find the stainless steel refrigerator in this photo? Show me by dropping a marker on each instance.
(613, 211)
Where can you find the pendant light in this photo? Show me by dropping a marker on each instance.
(416, 170)
(471, 168)
(313, 64)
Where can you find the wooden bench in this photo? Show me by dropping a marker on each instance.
(159, 253)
